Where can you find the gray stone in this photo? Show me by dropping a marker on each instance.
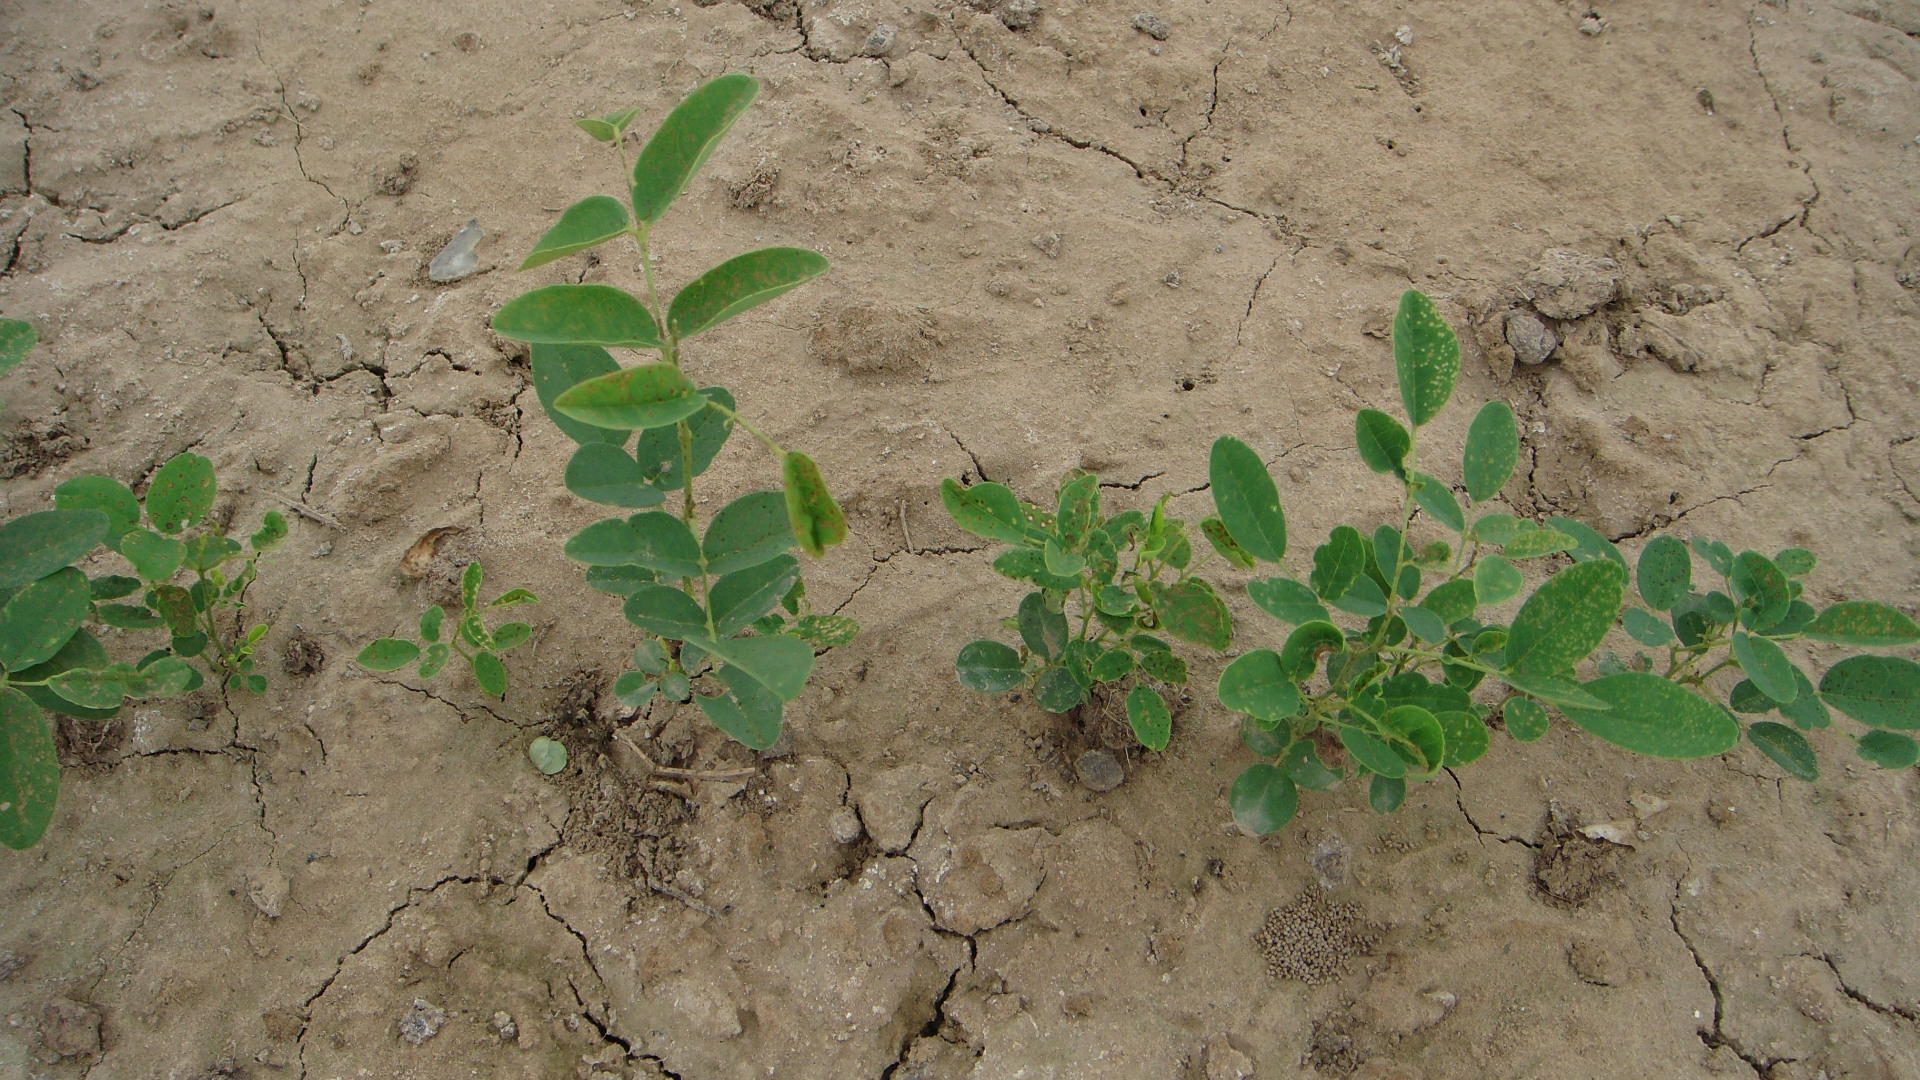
(1098, 770)
(1153, 26)
(1532, 340)
(457, 260)
(422, 1021)
(844, 825)
(880, 41)
(1019, 14)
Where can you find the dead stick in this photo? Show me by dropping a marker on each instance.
(684, 774)
(308, 512)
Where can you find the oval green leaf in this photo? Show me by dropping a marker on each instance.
(1423, 736)
(1247, 499)
(742, 282)
(988, 667)
(558, 369)
(1492, 451)
(102, 493)
(739, 598)
(1438, 500)
(1453, 600)
(1385, 794)
(1426, 355)
(988, 510)
(1257, 684)
(1652, 716)
(1496, 581)
(1863, 622)
(1665, 574)
(1467, 737)
(1526, 718)
(17, 339)
(1375, 755)
(1766, 665)
(1788, 748)
(1287, 600)
(649, 396)
(689, 133)
(29, 771)
(387, 654)
(1382, 441)
(747, 712)
(1878, 691)
(815, 518)
(1338, 563)
(747, 532)
(490, 673)
(1535, 542)
(1760, 587)
(547, 755)
(1150, 718)
(602, 472)
(1646, 628)
(1565, 619)
(578, 315)
(42, 617)
(1192, 611)
(660, 609)
(1888, 750)
(590, 222)
(1264, 799)
(1306, 645)
(1217, 535)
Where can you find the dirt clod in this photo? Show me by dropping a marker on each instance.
(303, 655)
(1153, 26)
(422, 1021)
(1098, 770)
(70, 1028)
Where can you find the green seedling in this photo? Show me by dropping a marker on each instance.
(1399, 652)
(715, 602)
(17, 339)
(51, 662)
(1108, 592)
(469, 637)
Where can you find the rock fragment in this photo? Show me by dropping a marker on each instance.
(70, 1028)
(1019, 14)
(422, 1021)
(844, 826)
(1153, 26)
(1531, 339)
(1098, 770)
(457, 260)
(268, 889)
(1569, 284)
(880, 41)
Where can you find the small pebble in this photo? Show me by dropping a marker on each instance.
(1532, 340)
(1019, 14)
(422, 1021)
(844, 825)
(1098, 770)
(880, 41)
(1153, 26)
(504, 1026)
(457, 260)
(1404, 35)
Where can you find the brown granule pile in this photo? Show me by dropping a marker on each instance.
(1313, 941)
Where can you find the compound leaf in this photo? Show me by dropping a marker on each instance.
(742, 282)
(1426, 355)
(590, 222)
(689, 133)
(1652, 716)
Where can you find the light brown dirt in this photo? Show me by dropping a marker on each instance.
(1070, 245)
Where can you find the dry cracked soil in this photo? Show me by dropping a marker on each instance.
(1678, 238)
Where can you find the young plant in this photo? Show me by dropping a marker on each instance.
(469, 632)
(707, 598)
(1406, 686)
(1105, 588)
(51, 661)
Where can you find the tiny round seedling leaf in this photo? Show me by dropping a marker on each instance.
(1264, 799)
(742, 282)
(1247, 499)
(1426, 355)
(547, 755)
(388, 654)
(815, 518)
(1788, 748)
(588, 223)
(578, 315)
(648, 396)
(1888, 749)
(1492, 451)
(1878, 691)
(1150, 718)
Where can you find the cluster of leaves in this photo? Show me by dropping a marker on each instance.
(1105, 590)
(1399, 653)
(469, 632)
(50, 660)
(717, 601)
(1398, 693)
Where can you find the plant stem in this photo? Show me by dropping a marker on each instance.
(667, 352)
(734, 416)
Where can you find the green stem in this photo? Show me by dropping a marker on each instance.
(748, 426)
(667, 351)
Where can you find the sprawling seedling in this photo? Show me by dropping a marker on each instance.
(1402, 681)
(1108, 592)
(723, 607)
(189, 581)
(469, 637)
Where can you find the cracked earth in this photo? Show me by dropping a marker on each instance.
(1678, 239)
